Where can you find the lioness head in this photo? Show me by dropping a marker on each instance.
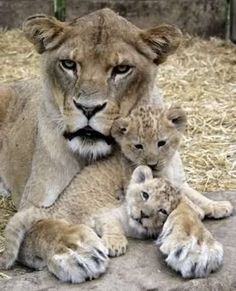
(150, 135)
(96, 68)
(149, 201)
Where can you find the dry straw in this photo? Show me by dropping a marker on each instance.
(201, 77)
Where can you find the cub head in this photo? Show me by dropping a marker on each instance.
(92, 69)
(150, 136)
(149, 201)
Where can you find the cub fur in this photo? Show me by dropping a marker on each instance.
(94, 69)
(91, 198)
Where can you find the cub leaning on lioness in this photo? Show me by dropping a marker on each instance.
(140, 139)
(148, 136)
(94, 69)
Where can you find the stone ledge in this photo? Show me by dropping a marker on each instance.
(143, 267)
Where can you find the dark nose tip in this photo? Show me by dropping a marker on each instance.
(90, 111)
(152, 166)
(143, 215)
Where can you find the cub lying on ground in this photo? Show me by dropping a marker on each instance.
(148, 136)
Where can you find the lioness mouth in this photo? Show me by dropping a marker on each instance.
(88, 133)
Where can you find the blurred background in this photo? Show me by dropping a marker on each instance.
(198, 17)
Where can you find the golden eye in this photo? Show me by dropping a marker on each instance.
(121, 69)
(144, 195)
(161, 143)
(139, 146)
(68, 64)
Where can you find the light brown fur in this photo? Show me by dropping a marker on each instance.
(91, 198)
(37, 161)
(36, 114)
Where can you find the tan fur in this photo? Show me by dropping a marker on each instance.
(36, 114)
(91, 197)
(37, 162)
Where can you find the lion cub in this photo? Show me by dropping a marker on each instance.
(149, 136)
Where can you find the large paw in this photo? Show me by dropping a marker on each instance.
(116, 244)
(220, 209)
(83, 257)
(193, 255)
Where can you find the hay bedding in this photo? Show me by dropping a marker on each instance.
(201, 77)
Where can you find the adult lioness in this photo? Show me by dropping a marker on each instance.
(94, 69)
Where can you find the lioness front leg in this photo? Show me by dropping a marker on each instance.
(112, 235)
(189, 246)
(214, 209)
(73, 253)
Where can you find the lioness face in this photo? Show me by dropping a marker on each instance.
(149, 201)
(96, 68)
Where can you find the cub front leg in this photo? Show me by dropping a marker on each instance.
(214, 209)
(189, 246)
(112, 235)
(73, 253)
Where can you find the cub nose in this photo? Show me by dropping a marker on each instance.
(143, 215)
(152, 166)
(90, 111)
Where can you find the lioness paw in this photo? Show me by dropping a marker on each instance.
(220, 209)
(185, 254)
(116, 244)
(84, 260)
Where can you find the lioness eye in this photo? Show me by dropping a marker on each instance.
(163, 211)
(144, 195)
(161, 143)
(138, 146)
(68, 64)
(121, 69)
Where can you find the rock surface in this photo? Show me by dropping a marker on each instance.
(143, 267)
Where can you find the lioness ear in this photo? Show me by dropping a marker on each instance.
(45, 32)
(178, 117)
(163, 40)
(141, 174)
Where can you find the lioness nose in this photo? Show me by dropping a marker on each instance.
(90, 111)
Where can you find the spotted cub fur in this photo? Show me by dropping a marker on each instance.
(149, 136)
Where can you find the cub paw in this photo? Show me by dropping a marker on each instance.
(192, 256)
(4, 265)
(116, 244)
(220, 209)
(82, 257)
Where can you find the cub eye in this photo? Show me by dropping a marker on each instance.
(139, 146)
(144, 195)
(68, 64)
(161, 143)
(163, 211)
(121, 69)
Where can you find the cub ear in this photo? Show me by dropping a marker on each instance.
(178, 117)
(120, 127)
(163, 40)
(141, 174)
(45, 32)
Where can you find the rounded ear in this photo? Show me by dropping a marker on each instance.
(45, 32)
(120, 127)
(141, 174)
(163, 40)
(178, 117)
